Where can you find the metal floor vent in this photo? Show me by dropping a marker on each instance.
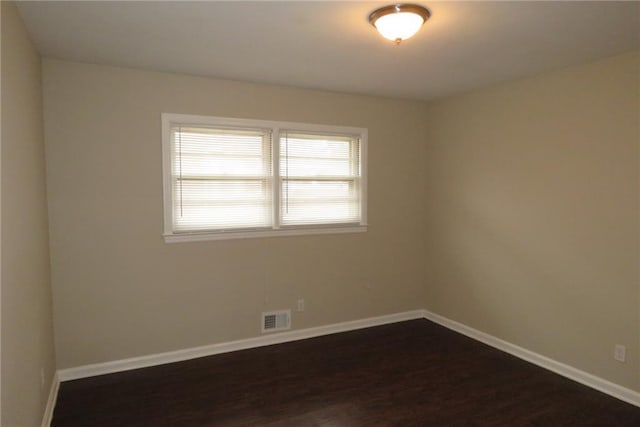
(276, 320)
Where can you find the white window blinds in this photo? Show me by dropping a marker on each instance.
(320, 179)
(221, 178)
(233, 178)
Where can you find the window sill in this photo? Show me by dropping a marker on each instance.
(228, 235)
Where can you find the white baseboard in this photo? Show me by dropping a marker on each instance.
(51, 401)
(210, 350)
(600, 384)
(567, 371)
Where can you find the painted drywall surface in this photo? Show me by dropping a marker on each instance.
(120, 291)
(533, 214)
(27, 331)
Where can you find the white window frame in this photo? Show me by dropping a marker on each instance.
(171, 236)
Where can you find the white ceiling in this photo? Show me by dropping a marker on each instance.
(331, 46)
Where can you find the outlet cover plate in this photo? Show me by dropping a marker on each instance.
(620, 353)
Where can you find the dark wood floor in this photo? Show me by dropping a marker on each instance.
(413, 373)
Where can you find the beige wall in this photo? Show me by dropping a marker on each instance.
(27, 335)
(512, 209)
(533, 214)
(120, 291)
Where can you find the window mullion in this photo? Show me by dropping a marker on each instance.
(275, 172)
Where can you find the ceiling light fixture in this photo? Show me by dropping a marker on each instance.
(400, 21)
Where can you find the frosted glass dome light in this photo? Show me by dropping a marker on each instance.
(399, 22)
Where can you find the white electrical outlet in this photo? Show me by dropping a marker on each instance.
(41, 378)
(620, 353)
(301, 304)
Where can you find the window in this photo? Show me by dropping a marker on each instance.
(232, 178)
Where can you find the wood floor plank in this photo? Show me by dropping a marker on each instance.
(413, 373)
